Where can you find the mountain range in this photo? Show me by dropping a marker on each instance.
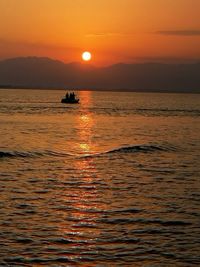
(39, 72)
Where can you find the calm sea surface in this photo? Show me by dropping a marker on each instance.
(113, 181)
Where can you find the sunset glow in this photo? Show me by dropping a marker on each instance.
(99, 112)
(125, 31)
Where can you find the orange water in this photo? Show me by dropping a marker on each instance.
(113, 181)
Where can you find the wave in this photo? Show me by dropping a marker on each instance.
(140, 148)
(168, 110)
(32, 154)
(149, 148)
(124, 149)
(167, 223)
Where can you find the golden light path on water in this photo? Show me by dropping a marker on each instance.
(85, 198)
(85, 124)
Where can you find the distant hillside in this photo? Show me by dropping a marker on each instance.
(34, 72)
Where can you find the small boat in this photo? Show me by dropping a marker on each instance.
(70, 98)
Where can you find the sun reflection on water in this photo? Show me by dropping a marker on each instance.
(84, 197)
(85, 124)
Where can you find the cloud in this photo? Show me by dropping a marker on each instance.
(35, 45)
(18, 48)
(180, 32)
(108, 34)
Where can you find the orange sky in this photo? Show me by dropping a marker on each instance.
(113, 30)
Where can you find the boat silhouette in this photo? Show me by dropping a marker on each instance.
(70, 98)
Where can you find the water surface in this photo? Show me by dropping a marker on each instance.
(113, 181)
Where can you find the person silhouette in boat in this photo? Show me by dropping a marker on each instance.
(72, 96)
(67, 96)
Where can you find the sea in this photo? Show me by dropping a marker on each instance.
(111, 181)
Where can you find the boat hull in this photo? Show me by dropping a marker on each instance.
(67, 101)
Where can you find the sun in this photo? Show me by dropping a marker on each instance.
(86, 56)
